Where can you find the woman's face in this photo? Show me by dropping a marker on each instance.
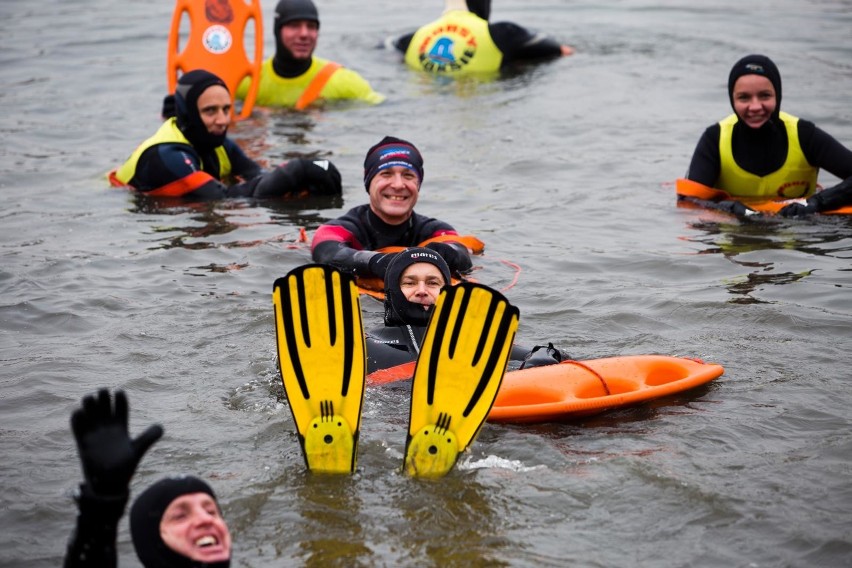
(754, 99)
(421, 283)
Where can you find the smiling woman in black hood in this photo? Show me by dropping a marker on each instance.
(762, 153)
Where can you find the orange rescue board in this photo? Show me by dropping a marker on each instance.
(216, 43)
(574, 389)
(690, 188)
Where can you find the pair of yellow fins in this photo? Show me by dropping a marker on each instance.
(321, 355)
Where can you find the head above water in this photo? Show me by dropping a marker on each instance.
(162, 525)
(756, 65)
(390, 152)
(399, 310)
(288, 11)
(189, 89)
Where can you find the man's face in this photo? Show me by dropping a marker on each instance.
(300, 37)
(421, 283)
(393, 194)
(193, 527)
(214, 107)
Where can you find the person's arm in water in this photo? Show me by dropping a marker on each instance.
(824, 151)
(174, 170)
(520, 44)
(109, 458)
(346, 244)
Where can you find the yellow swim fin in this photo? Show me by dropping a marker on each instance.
(459, 370)
(321, 356)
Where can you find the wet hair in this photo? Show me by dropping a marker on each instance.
(189, 89)
(390, 152)
(756, 65)
(146, 514)
(398, 310)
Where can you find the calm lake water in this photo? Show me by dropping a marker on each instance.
(564, 169)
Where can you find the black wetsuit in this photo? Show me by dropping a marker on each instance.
(389, 346)
(348, 242)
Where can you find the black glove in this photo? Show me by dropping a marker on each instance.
(455, 255)
(736, 207)
(318, 177)
(799, 209)
(168, 107)
(108, 456)
(321, 177)
(379, 262)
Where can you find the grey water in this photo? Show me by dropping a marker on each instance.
(564, 169)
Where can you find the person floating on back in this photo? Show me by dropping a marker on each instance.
(191, 156)
(414, 279)
(294, 77)
(761, 153)
(463, 41)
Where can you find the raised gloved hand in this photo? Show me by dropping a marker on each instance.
(107, 453)
(378, 264)
(800, 209)
(168, 107)
(737, 208)
(454, 254)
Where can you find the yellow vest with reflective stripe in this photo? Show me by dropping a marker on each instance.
(275, 90)
(168, 133)
(795, 178)
(458, 42)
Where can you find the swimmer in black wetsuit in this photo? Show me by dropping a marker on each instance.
(445, 46)
(175, 523)
(414, 280)
(760, 152)
(191, 156)
(393, 174)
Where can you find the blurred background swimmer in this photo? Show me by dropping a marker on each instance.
(463, 41)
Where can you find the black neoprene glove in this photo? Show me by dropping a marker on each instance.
(810, 207)
(320, 177)
(379, 262)
(299, 174)
(736, 207)
(107, 453)
(455, 255)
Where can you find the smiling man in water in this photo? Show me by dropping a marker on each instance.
(393, 174)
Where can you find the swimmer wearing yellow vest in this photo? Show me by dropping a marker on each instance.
(761, 153)
(294, 77)
(190, 155)
(463, 41)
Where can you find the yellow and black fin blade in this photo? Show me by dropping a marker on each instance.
(321, 357)
(459, 370)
